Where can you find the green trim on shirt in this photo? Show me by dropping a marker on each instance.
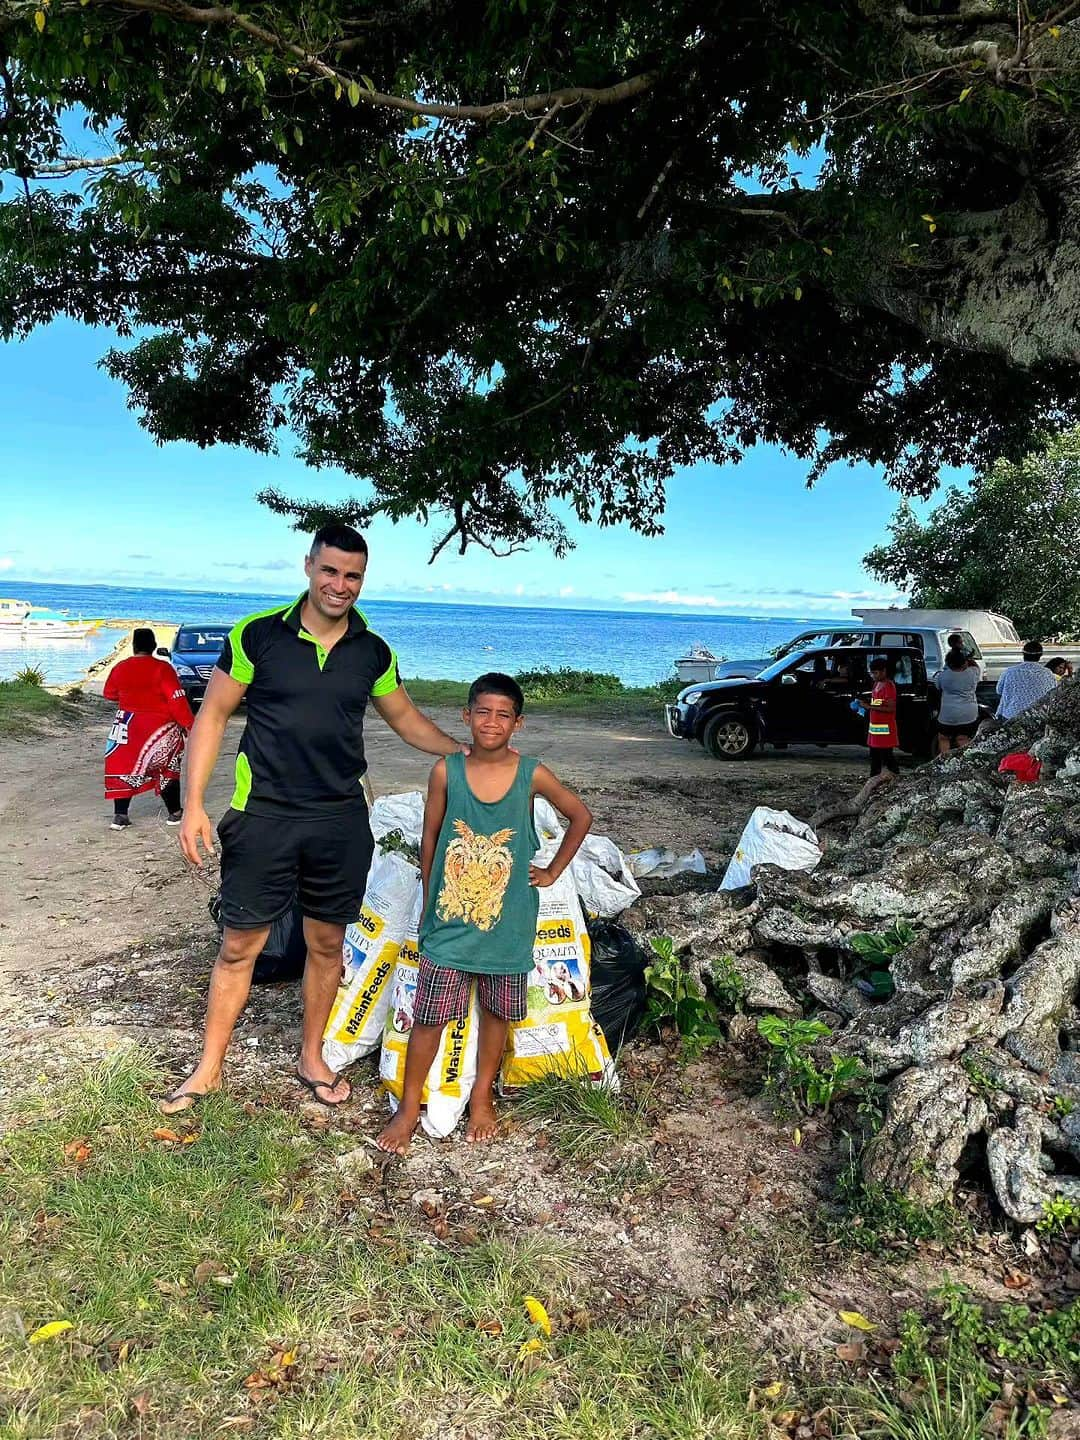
(242, 669)
(389, 680)
(243, 783)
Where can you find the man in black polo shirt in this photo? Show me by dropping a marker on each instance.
(297, 824)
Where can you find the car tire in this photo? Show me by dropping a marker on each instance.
(729, 736)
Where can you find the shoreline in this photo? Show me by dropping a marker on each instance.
(122, 649)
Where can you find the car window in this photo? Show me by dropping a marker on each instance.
(208, 641)
(971, 645)
(892, 639)
(903, 670)
(803, 642)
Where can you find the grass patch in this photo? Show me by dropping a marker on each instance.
(25, 705)
(212, 1289)
(586, 1119)
(873, 1216)
(948, 1404)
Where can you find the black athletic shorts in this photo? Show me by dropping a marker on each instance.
(267, 861)
(883, 758)
(955, 732)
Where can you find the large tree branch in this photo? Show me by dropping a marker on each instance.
(228, 18)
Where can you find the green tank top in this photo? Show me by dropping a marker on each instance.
(481, 910)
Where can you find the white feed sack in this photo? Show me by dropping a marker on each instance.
(450, 1080)
(558, 1035)
(389, 914)
(771, 837)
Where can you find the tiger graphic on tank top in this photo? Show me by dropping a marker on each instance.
(475, 875)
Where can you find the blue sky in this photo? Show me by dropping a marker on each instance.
(86, 496)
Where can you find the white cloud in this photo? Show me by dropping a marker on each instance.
(565, 591)
(519, 589)
(6, 562)
(671, 597)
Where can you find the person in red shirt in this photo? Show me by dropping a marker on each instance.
(147, 737)
(882, 736)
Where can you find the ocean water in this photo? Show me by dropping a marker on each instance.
(432, 640)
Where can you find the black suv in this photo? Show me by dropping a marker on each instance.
(194, 654)
(804, 698)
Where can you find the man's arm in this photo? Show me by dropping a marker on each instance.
(434, 815)
(223, 695)
(414, 727)
(574, 810)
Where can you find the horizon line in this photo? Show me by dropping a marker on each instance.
(600, 608)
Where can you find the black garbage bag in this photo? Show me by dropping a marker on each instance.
(283, 955)
(618, 981)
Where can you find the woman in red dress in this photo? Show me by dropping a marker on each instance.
(147, 738)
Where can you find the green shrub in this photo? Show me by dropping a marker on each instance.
(676, 998)
(548, 684)
(793, 1069)
(32, 675)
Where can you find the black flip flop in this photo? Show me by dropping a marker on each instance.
(316, 1085)
(195, 1096)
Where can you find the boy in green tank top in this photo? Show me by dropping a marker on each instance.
(480, 900)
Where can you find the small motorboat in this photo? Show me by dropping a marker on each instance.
(697, 666)
(46, 628)
(17, 618)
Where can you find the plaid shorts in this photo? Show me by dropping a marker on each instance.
(442, 994)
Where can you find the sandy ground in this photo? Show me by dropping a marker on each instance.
(72, 891)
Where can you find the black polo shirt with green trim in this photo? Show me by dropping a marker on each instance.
(302, 750)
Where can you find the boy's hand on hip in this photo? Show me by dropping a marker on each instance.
(541, 877)
(194, 827)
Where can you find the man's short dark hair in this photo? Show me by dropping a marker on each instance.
(956, 660)
(1033, 650)
(143, 641)
(339, 537)
(495, 683)
(956, 641)
(880, 662)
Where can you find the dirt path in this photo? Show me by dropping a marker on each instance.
(72, 891)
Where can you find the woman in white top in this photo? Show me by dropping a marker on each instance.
(958, 717)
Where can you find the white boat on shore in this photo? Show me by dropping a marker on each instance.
(17, 618)
(13, 612)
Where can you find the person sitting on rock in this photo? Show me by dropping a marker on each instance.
(1024, 685)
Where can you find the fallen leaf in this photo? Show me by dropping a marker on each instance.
(238, 1422)
(286, 1358)
(223, 1279)
(206, 1270)
(796, 1138)
(851, 1354)
(190, 1139)
(169, 1136)
(773, 1391)
(855, 1320)
(49, 1331)
(482, 1200)
(78, 1151)
(490, 1327)
(530, 1347)
(1016, 1279)
(537, 1314)
(140, 1403)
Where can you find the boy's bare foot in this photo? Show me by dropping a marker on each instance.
(189, 1093)
(395, 1138)
(483, 1121)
